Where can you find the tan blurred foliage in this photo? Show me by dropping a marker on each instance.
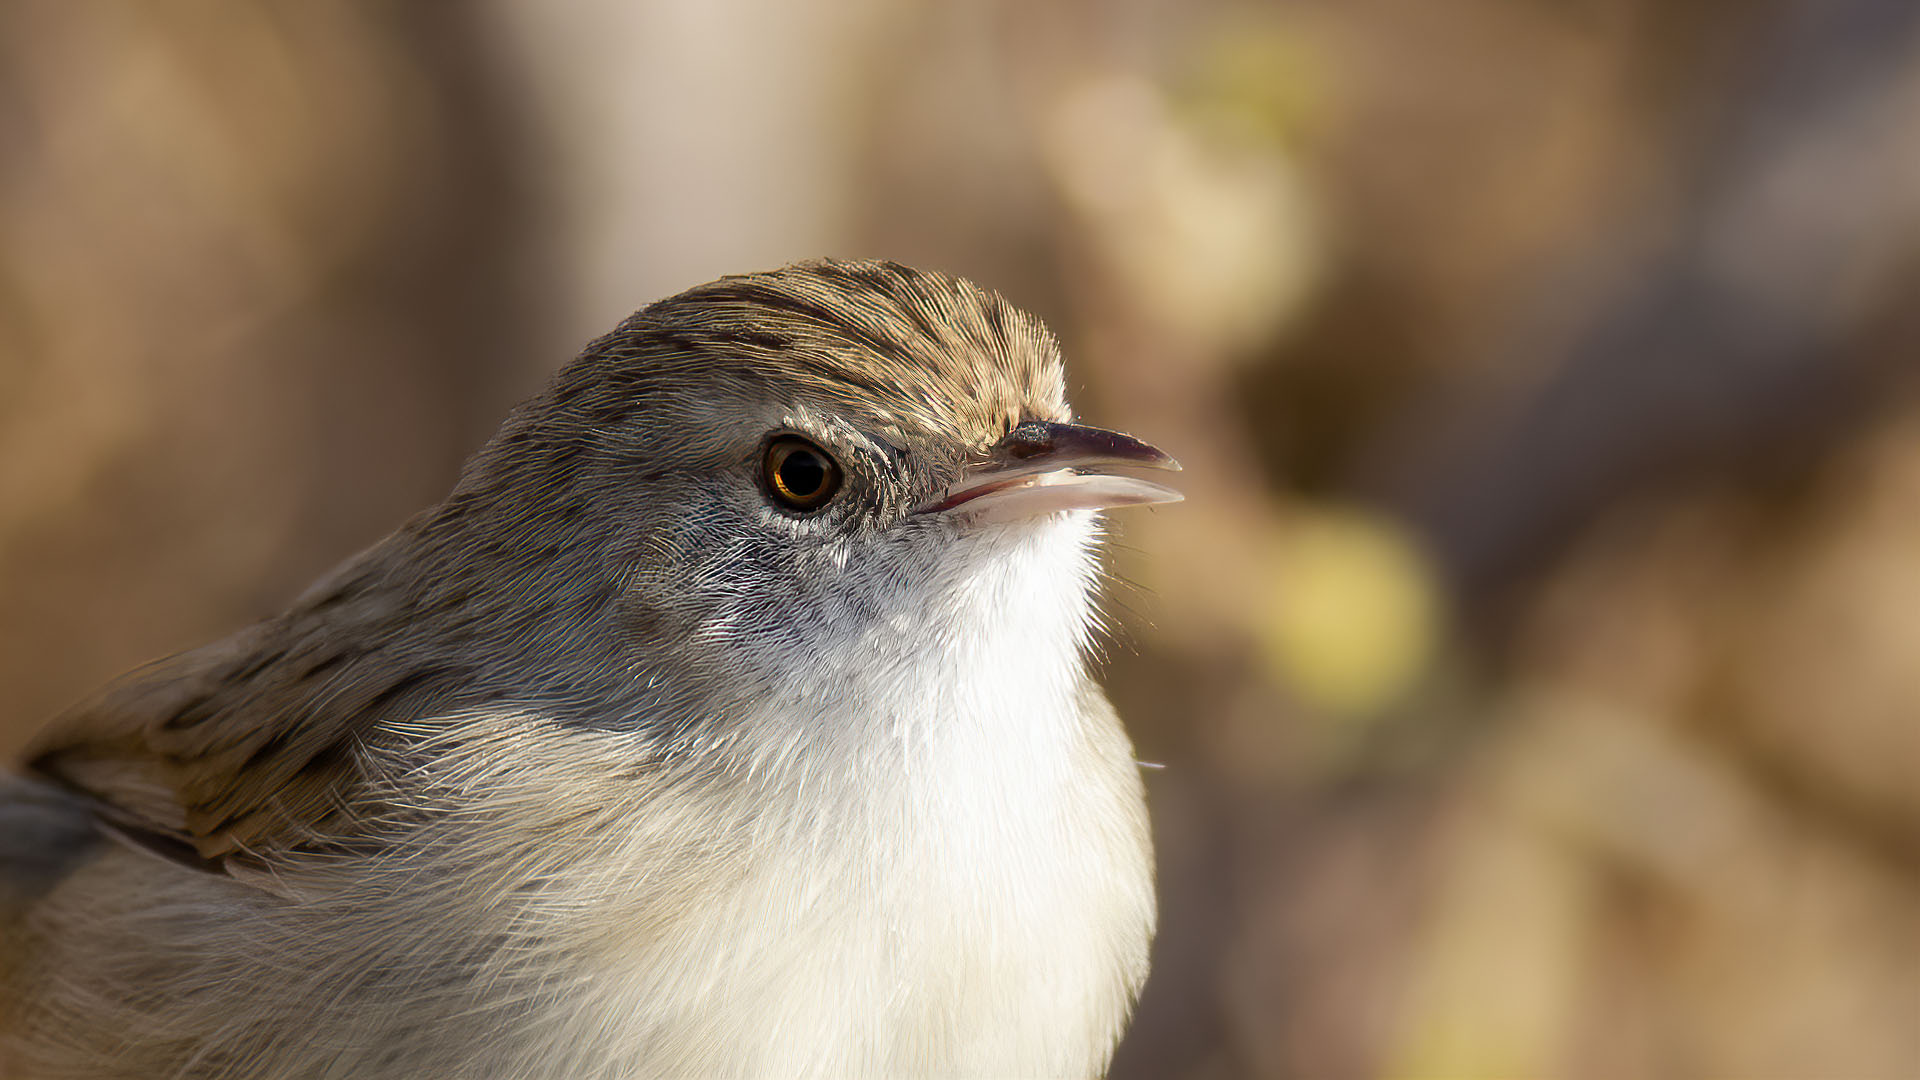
(230, 352)
(1535, 663)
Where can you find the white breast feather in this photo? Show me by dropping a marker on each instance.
(969, 893)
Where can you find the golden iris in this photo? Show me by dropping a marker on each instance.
(800, 475)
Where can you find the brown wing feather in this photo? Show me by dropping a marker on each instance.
(250, 745)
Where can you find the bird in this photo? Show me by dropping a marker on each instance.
(731, 717)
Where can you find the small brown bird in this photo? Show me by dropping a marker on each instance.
(729, 718)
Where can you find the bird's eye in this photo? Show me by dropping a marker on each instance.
(800, 475)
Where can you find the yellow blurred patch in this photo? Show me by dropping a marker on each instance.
(1352, 623)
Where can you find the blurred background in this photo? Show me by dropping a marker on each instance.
(1535, 666)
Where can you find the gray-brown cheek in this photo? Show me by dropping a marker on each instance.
(668, 556)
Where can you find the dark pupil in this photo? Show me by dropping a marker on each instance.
(803, 474)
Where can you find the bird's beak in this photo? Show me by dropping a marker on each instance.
(1042, 467)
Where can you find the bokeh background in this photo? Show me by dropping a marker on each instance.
(1535, 666)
